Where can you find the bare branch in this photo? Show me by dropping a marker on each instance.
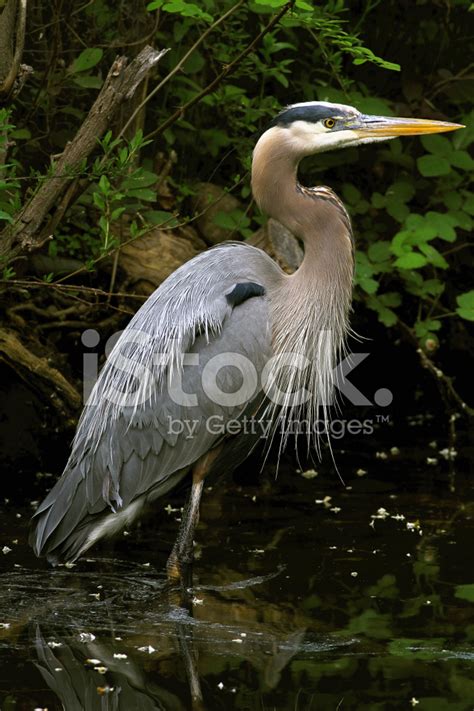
(20, 21)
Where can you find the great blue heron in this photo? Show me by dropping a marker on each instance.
(233, 311)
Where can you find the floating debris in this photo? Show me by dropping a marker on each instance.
(92, 662)
(220, 685)
(381, 455)
(197, 600)
(414, 702)
(326, 501)
(354, 573)
(381, 514)
(361, 472)
(6, 550)
(394, 451)
(148, 648)
(70, 565)
(432, 461)
(335, 509)
(86, 637)
(101, 669)
(309, 474)
(169, 509)
(4, 625)
(119, 655)
(53, 645)
(449, 453)
(414, 526)
(238, 640)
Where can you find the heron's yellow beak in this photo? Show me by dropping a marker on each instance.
(387, 126)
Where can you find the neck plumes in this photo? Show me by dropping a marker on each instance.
(310, 308)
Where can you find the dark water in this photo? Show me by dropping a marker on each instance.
(299, 601)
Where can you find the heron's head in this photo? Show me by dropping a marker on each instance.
(318, 126)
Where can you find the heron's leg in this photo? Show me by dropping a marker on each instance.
(182, 553)
(181, 556)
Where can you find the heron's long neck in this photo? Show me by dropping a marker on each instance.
(310, 308)
(315, 215)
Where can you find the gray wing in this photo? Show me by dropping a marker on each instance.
(126, 455)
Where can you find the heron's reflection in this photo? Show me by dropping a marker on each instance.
(108, 671)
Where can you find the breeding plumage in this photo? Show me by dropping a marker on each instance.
(230, 336)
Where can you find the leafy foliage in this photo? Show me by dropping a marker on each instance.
(411, 201)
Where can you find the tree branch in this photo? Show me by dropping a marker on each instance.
(119, 86)
(20, 21)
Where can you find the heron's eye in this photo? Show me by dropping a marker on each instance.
(329, 123)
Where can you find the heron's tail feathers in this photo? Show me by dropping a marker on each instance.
(66, 524)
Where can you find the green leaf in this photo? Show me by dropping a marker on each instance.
(86, 60)
(463, 220)
(142, 194)
(161, 218)
(116, 213)
(21, 134)
(141, 178)
(98, 201)
(452, 200)
(469, 204)
(369, 285)
(424, 328)
(411, 260)
(438, 145)
(466, 305)
(434, 257)
(390, 298)
(5, 216)
(271, 3)
(104, 184)
(398, 210)
(379, 252)
(461, 159)
(443, 223)
(432, 166)
(465, 592)
(401, 191)
(385, 314)
(351, 194)
(378, 200)
(180, 7)
(400, 243)
(86, 81)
